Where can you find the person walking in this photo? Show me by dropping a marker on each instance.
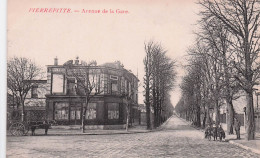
(221, 133)
(46, 126)
(237, 125)
(214, 129)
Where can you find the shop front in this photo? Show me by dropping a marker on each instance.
(102, 112)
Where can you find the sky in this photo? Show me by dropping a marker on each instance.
(104, 37)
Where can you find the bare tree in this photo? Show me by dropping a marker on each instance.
(241, 18)
(87, 83)
(149, 48)
(216, 37)
(20, 71)
(159, 79)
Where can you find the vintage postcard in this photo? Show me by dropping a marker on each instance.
(129, 78)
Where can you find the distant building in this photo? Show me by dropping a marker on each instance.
(239, 108)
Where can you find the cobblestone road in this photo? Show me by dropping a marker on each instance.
(177, 139)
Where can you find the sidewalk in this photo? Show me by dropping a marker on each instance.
(252, 145)
(75, 130)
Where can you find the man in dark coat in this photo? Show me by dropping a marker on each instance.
(237, 128)
(46, 126)
(221, 133)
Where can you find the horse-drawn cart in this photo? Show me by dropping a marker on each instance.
(33, 119)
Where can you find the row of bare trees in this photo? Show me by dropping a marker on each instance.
(158, 82)
(224, 61)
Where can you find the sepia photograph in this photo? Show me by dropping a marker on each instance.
(129, 78)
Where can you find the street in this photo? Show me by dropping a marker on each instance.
(176, 139)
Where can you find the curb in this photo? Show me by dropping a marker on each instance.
(245, 147)
(78, 134)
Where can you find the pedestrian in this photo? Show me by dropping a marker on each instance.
(215, 132)
(33, 126)
(207, 131)
(237, 127)
(221, 133)
(46, 126)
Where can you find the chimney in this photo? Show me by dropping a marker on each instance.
(56, 61)
(77, 61)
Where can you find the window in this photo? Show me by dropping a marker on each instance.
(34, 91)
(114, 84)
(75, 112)
(114, 87)
(57, 83)
(113, 110)
(71, 86)
(61, 111)
(91, 111)
(122, 85)
(113, 77)
(130, 89)
(126, 87)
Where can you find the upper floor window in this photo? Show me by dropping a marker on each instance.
(113, 77)
(114, 84)
(71, 86)
(34, 91)
(57, 83)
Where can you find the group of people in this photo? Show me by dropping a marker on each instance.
(217, 130)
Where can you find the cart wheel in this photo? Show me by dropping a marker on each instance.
(17, 129)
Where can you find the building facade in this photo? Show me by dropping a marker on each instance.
(112, 91)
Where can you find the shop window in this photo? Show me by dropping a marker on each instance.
(113, 111)
(91, 111)
(34, 91)
(75, 113)
(61, 111)
(57, 83)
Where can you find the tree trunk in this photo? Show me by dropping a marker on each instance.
(84, 111)
(83, 119)
(208, 120)
(127, 116)
(217, 112)
(23, 111)
(147, 105)
(204, 120)
(230, 116)
(198, 116)
(250, 122)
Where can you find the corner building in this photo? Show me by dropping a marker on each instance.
(107, 108)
